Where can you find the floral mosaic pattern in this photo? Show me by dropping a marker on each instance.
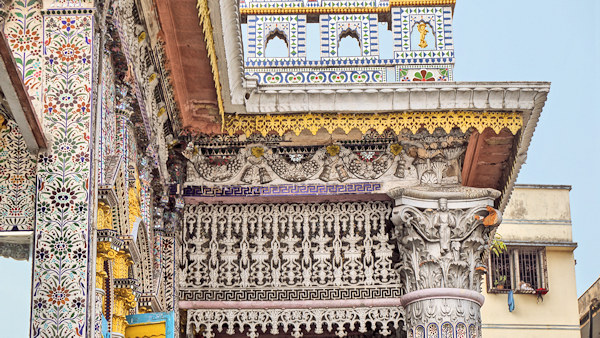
(447, 330)
(23, 31)
(461, 330)
(61, 253)
(432, 330)
(17, 180)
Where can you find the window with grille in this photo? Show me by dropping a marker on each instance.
(521, 269)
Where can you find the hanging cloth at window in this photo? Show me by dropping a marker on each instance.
(511, 301)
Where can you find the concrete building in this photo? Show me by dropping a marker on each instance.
(539, 268)
(589, 303)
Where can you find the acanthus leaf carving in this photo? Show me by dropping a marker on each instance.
(442, 247)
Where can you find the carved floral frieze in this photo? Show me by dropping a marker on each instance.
(419, 159)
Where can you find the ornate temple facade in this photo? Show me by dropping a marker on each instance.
(211, 168)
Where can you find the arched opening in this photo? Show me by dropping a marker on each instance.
(349, 44)
(276, 45)
(422, 36)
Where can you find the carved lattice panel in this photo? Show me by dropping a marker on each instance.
(288, 251)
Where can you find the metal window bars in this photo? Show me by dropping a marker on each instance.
(521, 269)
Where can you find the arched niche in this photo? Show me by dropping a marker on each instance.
(277, 45)
(349, 44)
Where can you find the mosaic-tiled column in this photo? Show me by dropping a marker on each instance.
(61, 300)
(442, 235)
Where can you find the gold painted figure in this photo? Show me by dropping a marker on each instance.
(422, 27)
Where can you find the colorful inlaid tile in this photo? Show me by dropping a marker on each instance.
(60, 276)
(17, 179)
(23, 31)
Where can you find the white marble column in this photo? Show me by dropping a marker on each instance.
(443, 234)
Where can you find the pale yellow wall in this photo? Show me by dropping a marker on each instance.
(546, 212)
(557, 315)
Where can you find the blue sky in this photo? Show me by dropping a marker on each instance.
(508, 40)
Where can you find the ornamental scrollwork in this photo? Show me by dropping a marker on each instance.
(218, 166)
(419, 159)
(264, 251)
(295, 321)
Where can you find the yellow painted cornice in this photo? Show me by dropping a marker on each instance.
(344, 10)
(105, 250)
(413, 121)
(205, 23)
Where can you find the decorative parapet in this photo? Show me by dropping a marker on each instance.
(420, 41)
(316, 7)
(396, 121)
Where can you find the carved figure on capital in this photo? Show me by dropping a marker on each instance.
(441, 247)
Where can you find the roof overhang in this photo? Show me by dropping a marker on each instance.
(18, 100)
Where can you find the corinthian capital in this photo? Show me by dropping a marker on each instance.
(443, 234)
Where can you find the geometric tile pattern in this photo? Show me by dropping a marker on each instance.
(362, 26)
(280, 190)
(262, 27)
(312, 3)
(324, 75)
(405, 20)
(409, 58)
(17, 179)
(60, 276)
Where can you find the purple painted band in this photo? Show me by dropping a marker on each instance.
(435, 293)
